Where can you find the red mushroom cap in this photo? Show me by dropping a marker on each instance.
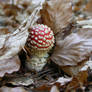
(41, 37)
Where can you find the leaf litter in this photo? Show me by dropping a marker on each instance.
(68, 68)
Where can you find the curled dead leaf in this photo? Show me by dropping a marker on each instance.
(9, 65)
(57, 14)
(73, 50)
(12, 44)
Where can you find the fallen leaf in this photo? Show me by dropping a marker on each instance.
(13, 12)
(12, 44)
(9, 65)
(65, 84)
(24, 81)
(77, 81)
(4, 31)
(10, 10)
(74, 49)
(4, 1)
(78, 5)
(85, 23)
(87, 65)
(63, 80)
(57, 14)
(15, 89)
(88, 8)
(54, 89)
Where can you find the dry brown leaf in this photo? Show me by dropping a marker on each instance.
(63, 84)
(13, 12)
(15, 89)
(74, 49)
(10, 10)
(4, 31)
(54, 86)
(77, 81)
(12, 44)
(54, 89)
(78, 5)
(57, 14)
(9, 65)
(4, 1)
(88, 8)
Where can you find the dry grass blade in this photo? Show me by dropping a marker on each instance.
(57, 14)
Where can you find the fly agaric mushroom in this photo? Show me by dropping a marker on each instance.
(40, 41)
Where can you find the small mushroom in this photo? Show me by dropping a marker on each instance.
(40, 42)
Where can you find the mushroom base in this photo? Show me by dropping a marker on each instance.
(36, 63)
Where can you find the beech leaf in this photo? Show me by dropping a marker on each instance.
(9, 65)
(57, 14)
(73, 49)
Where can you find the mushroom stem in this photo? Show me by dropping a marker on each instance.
(36, 63)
